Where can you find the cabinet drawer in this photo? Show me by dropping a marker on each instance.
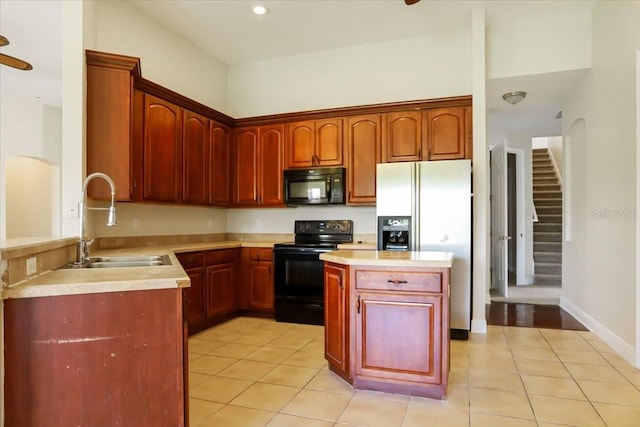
(399, 281)
(259, 254)
(221, 255)
(191, 259)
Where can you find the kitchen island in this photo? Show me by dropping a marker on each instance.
(387, 320)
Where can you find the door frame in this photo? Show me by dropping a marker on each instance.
(519, 239)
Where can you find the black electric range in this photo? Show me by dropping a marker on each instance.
(299, 272)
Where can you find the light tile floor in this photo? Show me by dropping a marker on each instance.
(257, 372)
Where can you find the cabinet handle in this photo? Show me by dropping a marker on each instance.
(396, 282)
(258, 257)
(420, 152)
(340, 279)
(358, 304)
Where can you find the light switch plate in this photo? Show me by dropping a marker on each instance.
(31, 266)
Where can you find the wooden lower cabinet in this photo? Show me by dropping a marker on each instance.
(214, 278)
(102, 359)
(336, 318)
(257, 267)
(387, 328)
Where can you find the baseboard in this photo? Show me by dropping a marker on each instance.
(623, 348)
(478, 326)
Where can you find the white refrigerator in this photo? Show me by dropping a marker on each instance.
(437, 197)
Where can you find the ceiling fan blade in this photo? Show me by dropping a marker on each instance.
(3, 41)
(410, 2)
(15, 62)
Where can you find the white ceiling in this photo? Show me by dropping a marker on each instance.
(230, 32)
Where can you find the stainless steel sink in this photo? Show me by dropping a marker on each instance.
(124, 261)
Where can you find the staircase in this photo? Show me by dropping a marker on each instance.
(547, 232)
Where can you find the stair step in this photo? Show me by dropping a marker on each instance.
(548, 257)
(544, 194)
(537, 187)
(542, 163)
(545, 174)
(548, 268)
(553, 247)
(548, 279)
(548, 201)
(539, 150)
(543, 236)
(549, 210)
(552, 218)
(543, 179)
(544, 227)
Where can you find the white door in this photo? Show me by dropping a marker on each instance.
(499, 237)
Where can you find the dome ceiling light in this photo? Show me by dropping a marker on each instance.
(260, 10)
(514, 97)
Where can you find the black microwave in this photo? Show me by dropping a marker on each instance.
(317, 186)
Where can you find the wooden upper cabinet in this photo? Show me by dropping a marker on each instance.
(329, 143)
(403, 137)
(219, 165)
(258, 166)
(300, 146)
(364, 145)
(162, 150)
(445, 135)
(245, 183)
(114, 126)
(271, 165)
(195, 155)
(314, 143)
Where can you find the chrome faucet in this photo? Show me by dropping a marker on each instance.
(83, 245)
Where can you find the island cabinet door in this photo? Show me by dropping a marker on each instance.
(398, 337)
(336, 318)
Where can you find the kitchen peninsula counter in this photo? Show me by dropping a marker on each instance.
(78, 281)
(387, 320)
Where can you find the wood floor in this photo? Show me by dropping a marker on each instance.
(531, 316)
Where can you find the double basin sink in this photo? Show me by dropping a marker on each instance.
(123, 261)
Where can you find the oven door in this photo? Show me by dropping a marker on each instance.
(299, 273)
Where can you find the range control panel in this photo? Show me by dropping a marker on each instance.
(333, 226)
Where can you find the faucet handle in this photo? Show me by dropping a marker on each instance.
(87, 245)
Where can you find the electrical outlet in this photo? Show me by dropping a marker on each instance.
(71, 210)
(136, 223)
(31, 266)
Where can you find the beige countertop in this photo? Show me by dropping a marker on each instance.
(358, 246)
(98, 280)
(389, 258)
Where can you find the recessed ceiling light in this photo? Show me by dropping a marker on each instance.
(260, 10)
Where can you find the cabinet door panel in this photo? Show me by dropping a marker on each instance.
(445, 133)
(328, 147)
(364, 144)
(219, 165)
(397, 337)
(246, 167)
(336, 317)
(219, 298)
(271, 165)
(403, 137)
(299, 150)
(162, 150)
(261, 286)
(195, 151)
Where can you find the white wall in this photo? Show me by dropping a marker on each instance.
(400, 70)
(166, 58)
(280, 220)
(158, 220)
(600, 286)
(28, 129)
(558, 42)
